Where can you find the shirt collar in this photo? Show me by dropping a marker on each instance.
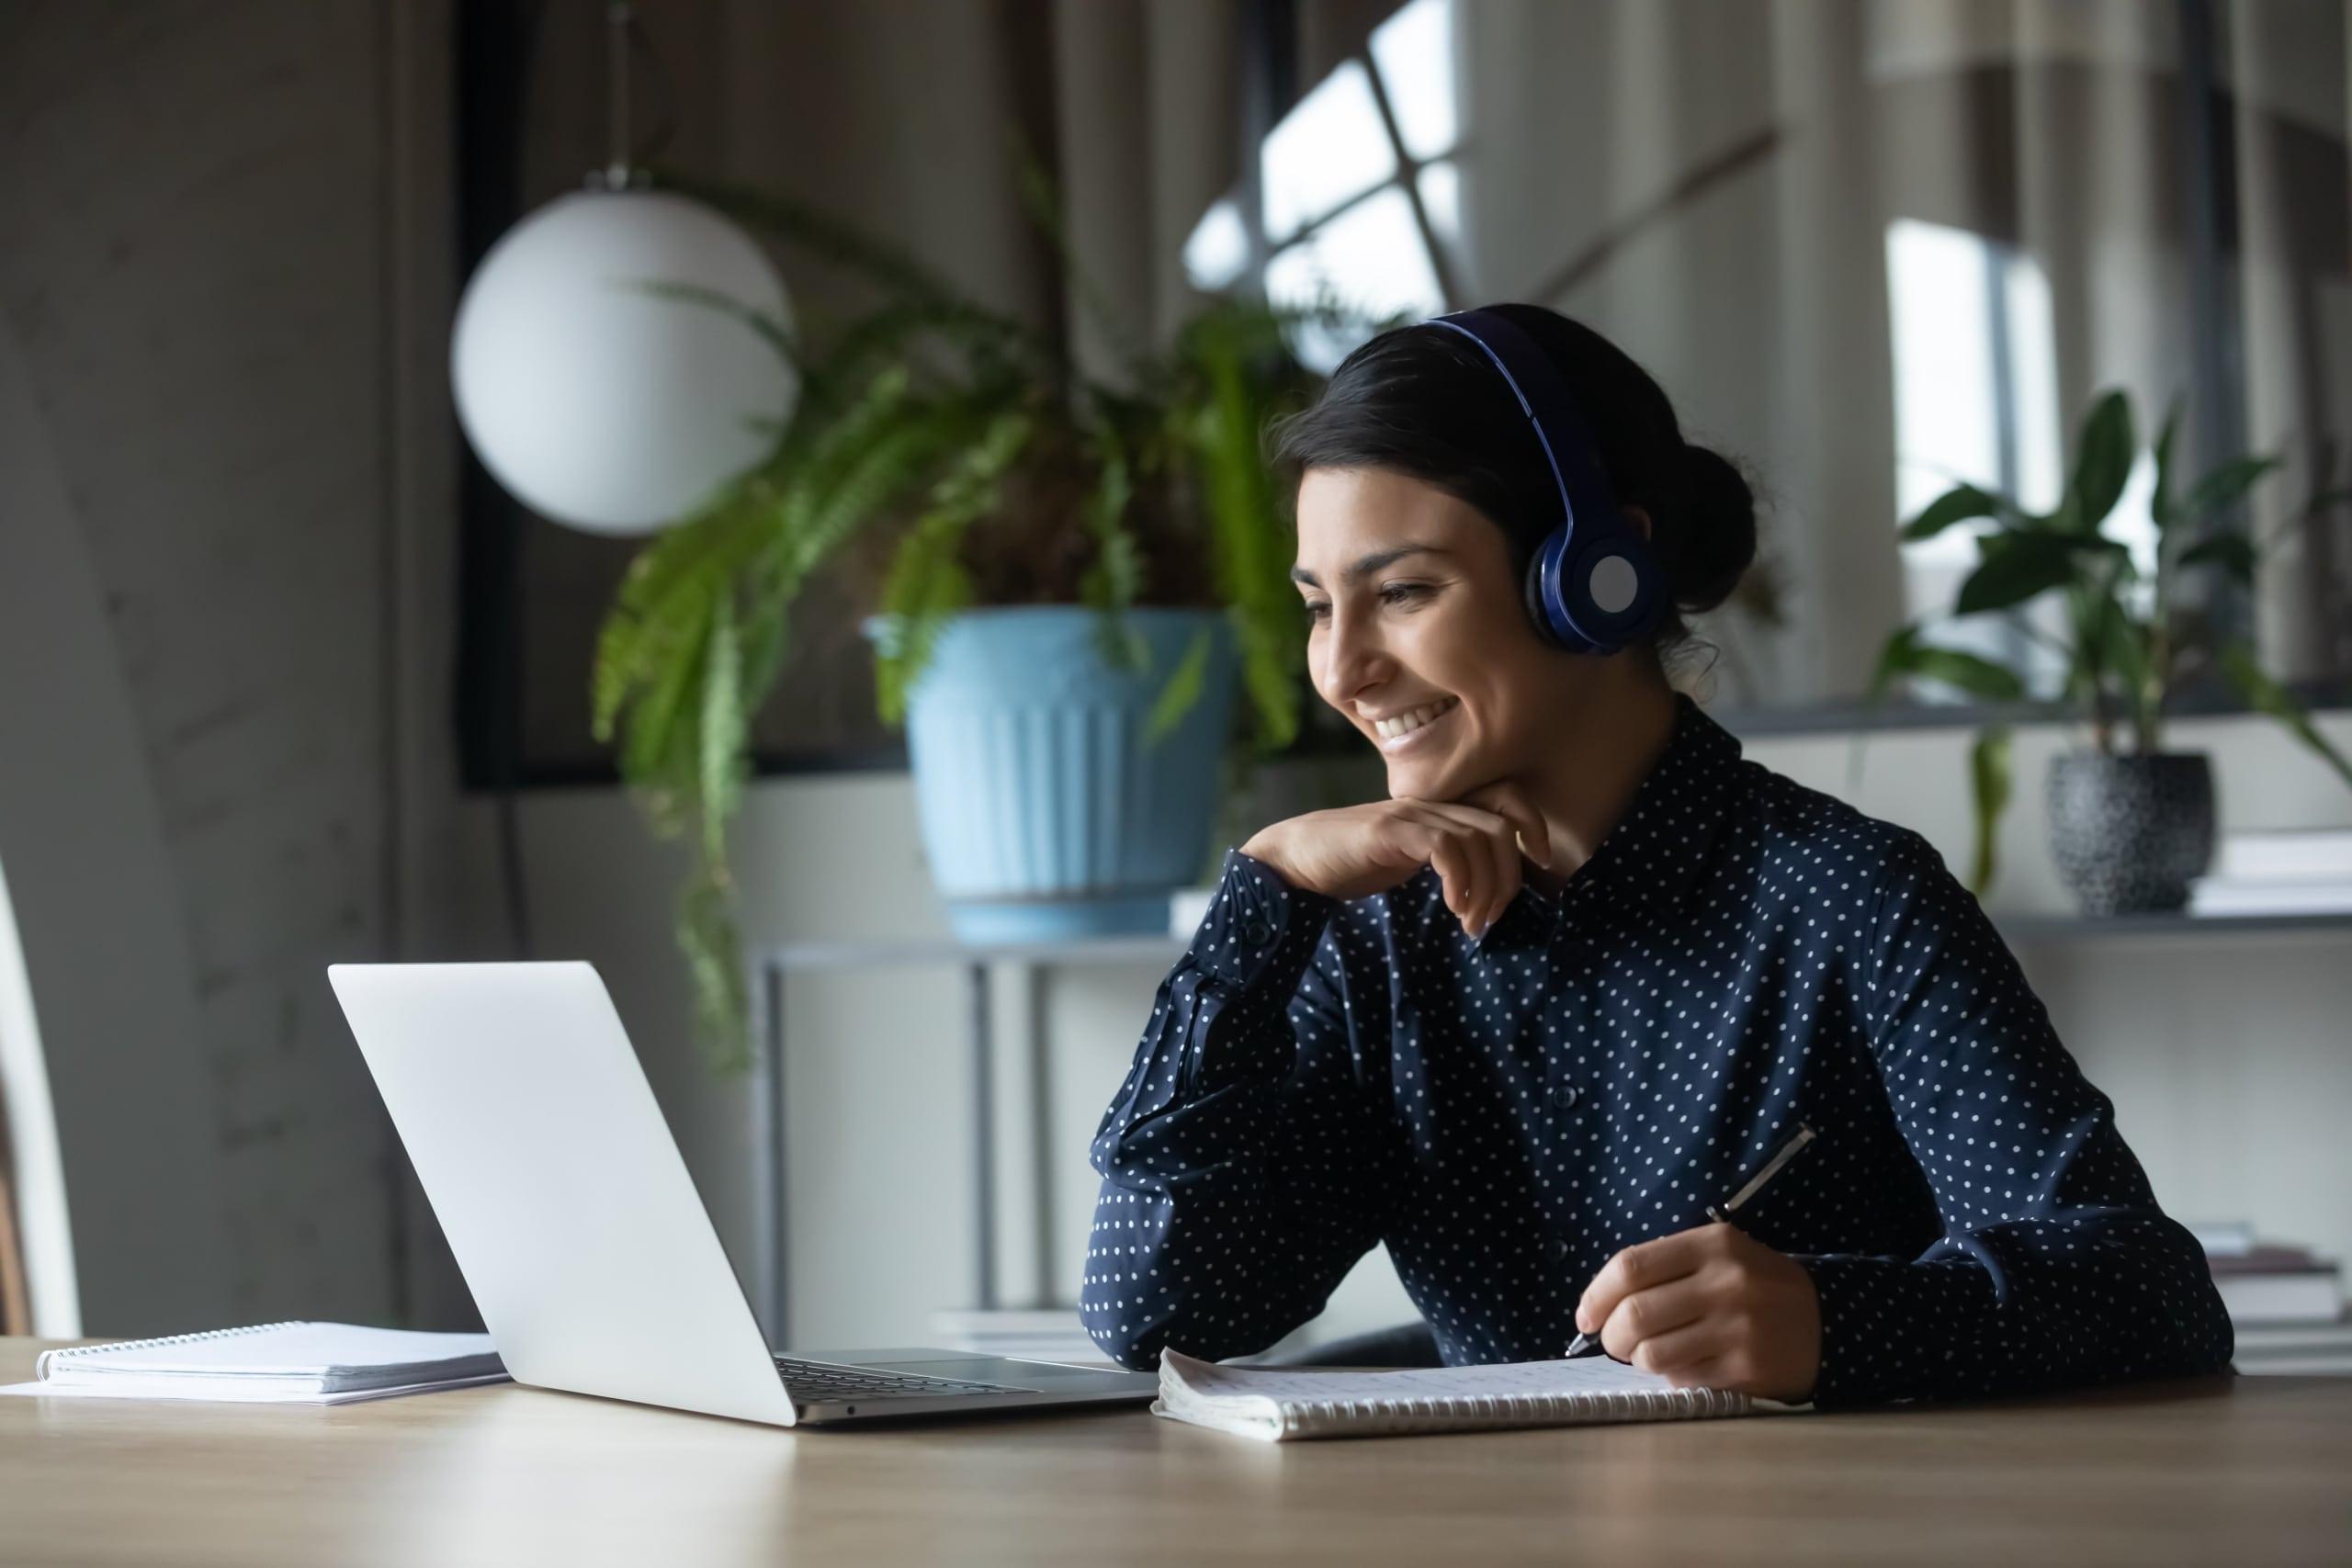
(1644, 862)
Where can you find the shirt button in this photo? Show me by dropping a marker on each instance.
(1559, 1248)
(1258, 930)
(1562, 1096)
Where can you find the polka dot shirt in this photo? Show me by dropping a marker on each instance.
(1739, 954)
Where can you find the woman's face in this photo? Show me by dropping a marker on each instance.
(1419, 634)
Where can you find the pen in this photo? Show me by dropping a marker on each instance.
(1584, 1344)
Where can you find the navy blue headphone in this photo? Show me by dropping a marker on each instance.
(1593, 585)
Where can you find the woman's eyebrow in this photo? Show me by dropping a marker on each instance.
(1367, 566)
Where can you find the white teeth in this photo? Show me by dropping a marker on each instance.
(1405, 723)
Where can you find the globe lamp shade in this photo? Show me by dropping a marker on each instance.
(600, 403)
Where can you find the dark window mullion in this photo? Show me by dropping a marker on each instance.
(1409, 175)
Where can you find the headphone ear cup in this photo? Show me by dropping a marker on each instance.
(1552, 622)
(1633, 589)
(1533, 589)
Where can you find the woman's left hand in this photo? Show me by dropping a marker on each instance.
(1710, 1307)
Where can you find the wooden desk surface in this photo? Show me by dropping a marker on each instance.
(2237, 1470)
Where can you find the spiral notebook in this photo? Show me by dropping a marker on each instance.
(1275, 1404)
(308, 1363)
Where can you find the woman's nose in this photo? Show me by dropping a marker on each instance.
(1352, 658)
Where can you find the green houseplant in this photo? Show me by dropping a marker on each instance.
(2129, 642)
(1000, 475)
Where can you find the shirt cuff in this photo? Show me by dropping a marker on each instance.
(1259, 930)
(1891, 1329)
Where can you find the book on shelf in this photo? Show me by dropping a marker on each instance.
(2307, 1294)
(2217, 896)
(1187, 908)
(2267, 1282)
(2292, 854)
(2295, 1349)
(2222, 1237)
(1029, 1334)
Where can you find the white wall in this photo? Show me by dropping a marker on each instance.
(198, 284)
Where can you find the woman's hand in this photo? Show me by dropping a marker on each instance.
(1709, 1308)
(1474, 844)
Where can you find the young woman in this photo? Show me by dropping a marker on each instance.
(1585, 970)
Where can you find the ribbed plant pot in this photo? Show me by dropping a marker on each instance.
(1044, 813)
(2128, 832)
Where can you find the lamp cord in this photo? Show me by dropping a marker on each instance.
(620, 17)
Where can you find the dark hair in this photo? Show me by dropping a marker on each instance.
(1425, 401)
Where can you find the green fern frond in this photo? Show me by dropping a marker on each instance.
(927, 583)
(1227, 436)
(1111, 584)
(1183, 691)
(725, 728)
(709, 942)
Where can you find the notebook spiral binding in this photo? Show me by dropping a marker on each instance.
(114, 1346)
(1455, 1411)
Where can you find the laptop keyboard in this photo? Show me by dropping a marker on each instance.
(823, 1379)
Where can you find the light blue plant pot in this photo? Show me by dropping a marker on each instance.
(1044, 813)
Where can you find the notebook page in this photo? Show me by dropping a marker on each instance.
(236, 1391)
(288, 1349)
(1585, 1374)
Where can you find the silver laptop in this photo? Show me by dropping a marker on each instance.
(595, 1265)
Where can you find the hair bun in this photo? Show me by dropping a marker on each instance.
(1712, 551)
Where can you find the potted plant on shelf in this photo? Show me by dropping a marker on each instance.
(2131, 825)
(1079, 575)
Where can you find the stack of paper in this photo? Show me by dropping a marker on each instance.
(308, 1363)
(1029, 1334)
(2301, 871)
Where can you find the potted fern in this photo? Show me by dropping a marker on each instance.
(1078, 578)
(2131, 823)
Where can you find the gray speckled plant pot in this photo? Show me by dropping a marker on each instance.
(2128, 832)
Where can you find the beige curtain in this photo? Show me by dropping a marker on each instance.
(2293, 98)
(1738, 166)
(1712, 184)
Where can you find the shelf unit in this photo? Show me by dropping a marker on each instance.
(774, 965)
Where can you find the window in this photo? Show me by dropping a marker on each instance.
(1357, 193)
(1976, 402)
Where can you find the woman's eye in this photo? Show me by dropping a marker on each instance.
(1394, 594)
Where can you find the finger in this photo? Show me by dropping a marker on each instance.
(1502, 856)
(1637, 1268)
(1501, 847)
(1458, 870)
(1684, 1347)
(1507, 800)
(1411, 837)
(1497, 857)
(1728, 1371)
(1429, 842)
(1648, 1314)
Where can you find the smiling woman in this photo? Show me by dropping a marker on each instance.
(1668, 957)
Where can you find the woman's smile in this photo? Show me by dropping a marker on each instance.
(1411, 729)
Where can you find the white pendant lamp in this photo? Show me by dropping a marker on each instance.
(593, 400)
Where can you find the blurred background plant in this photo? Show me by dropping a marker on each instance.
(2130, 639)
(993, 471)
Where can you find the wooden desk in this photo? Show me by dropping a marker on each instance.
(2238, 1471)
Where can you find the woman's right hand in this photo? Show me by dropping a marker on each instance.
(1475, 843)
